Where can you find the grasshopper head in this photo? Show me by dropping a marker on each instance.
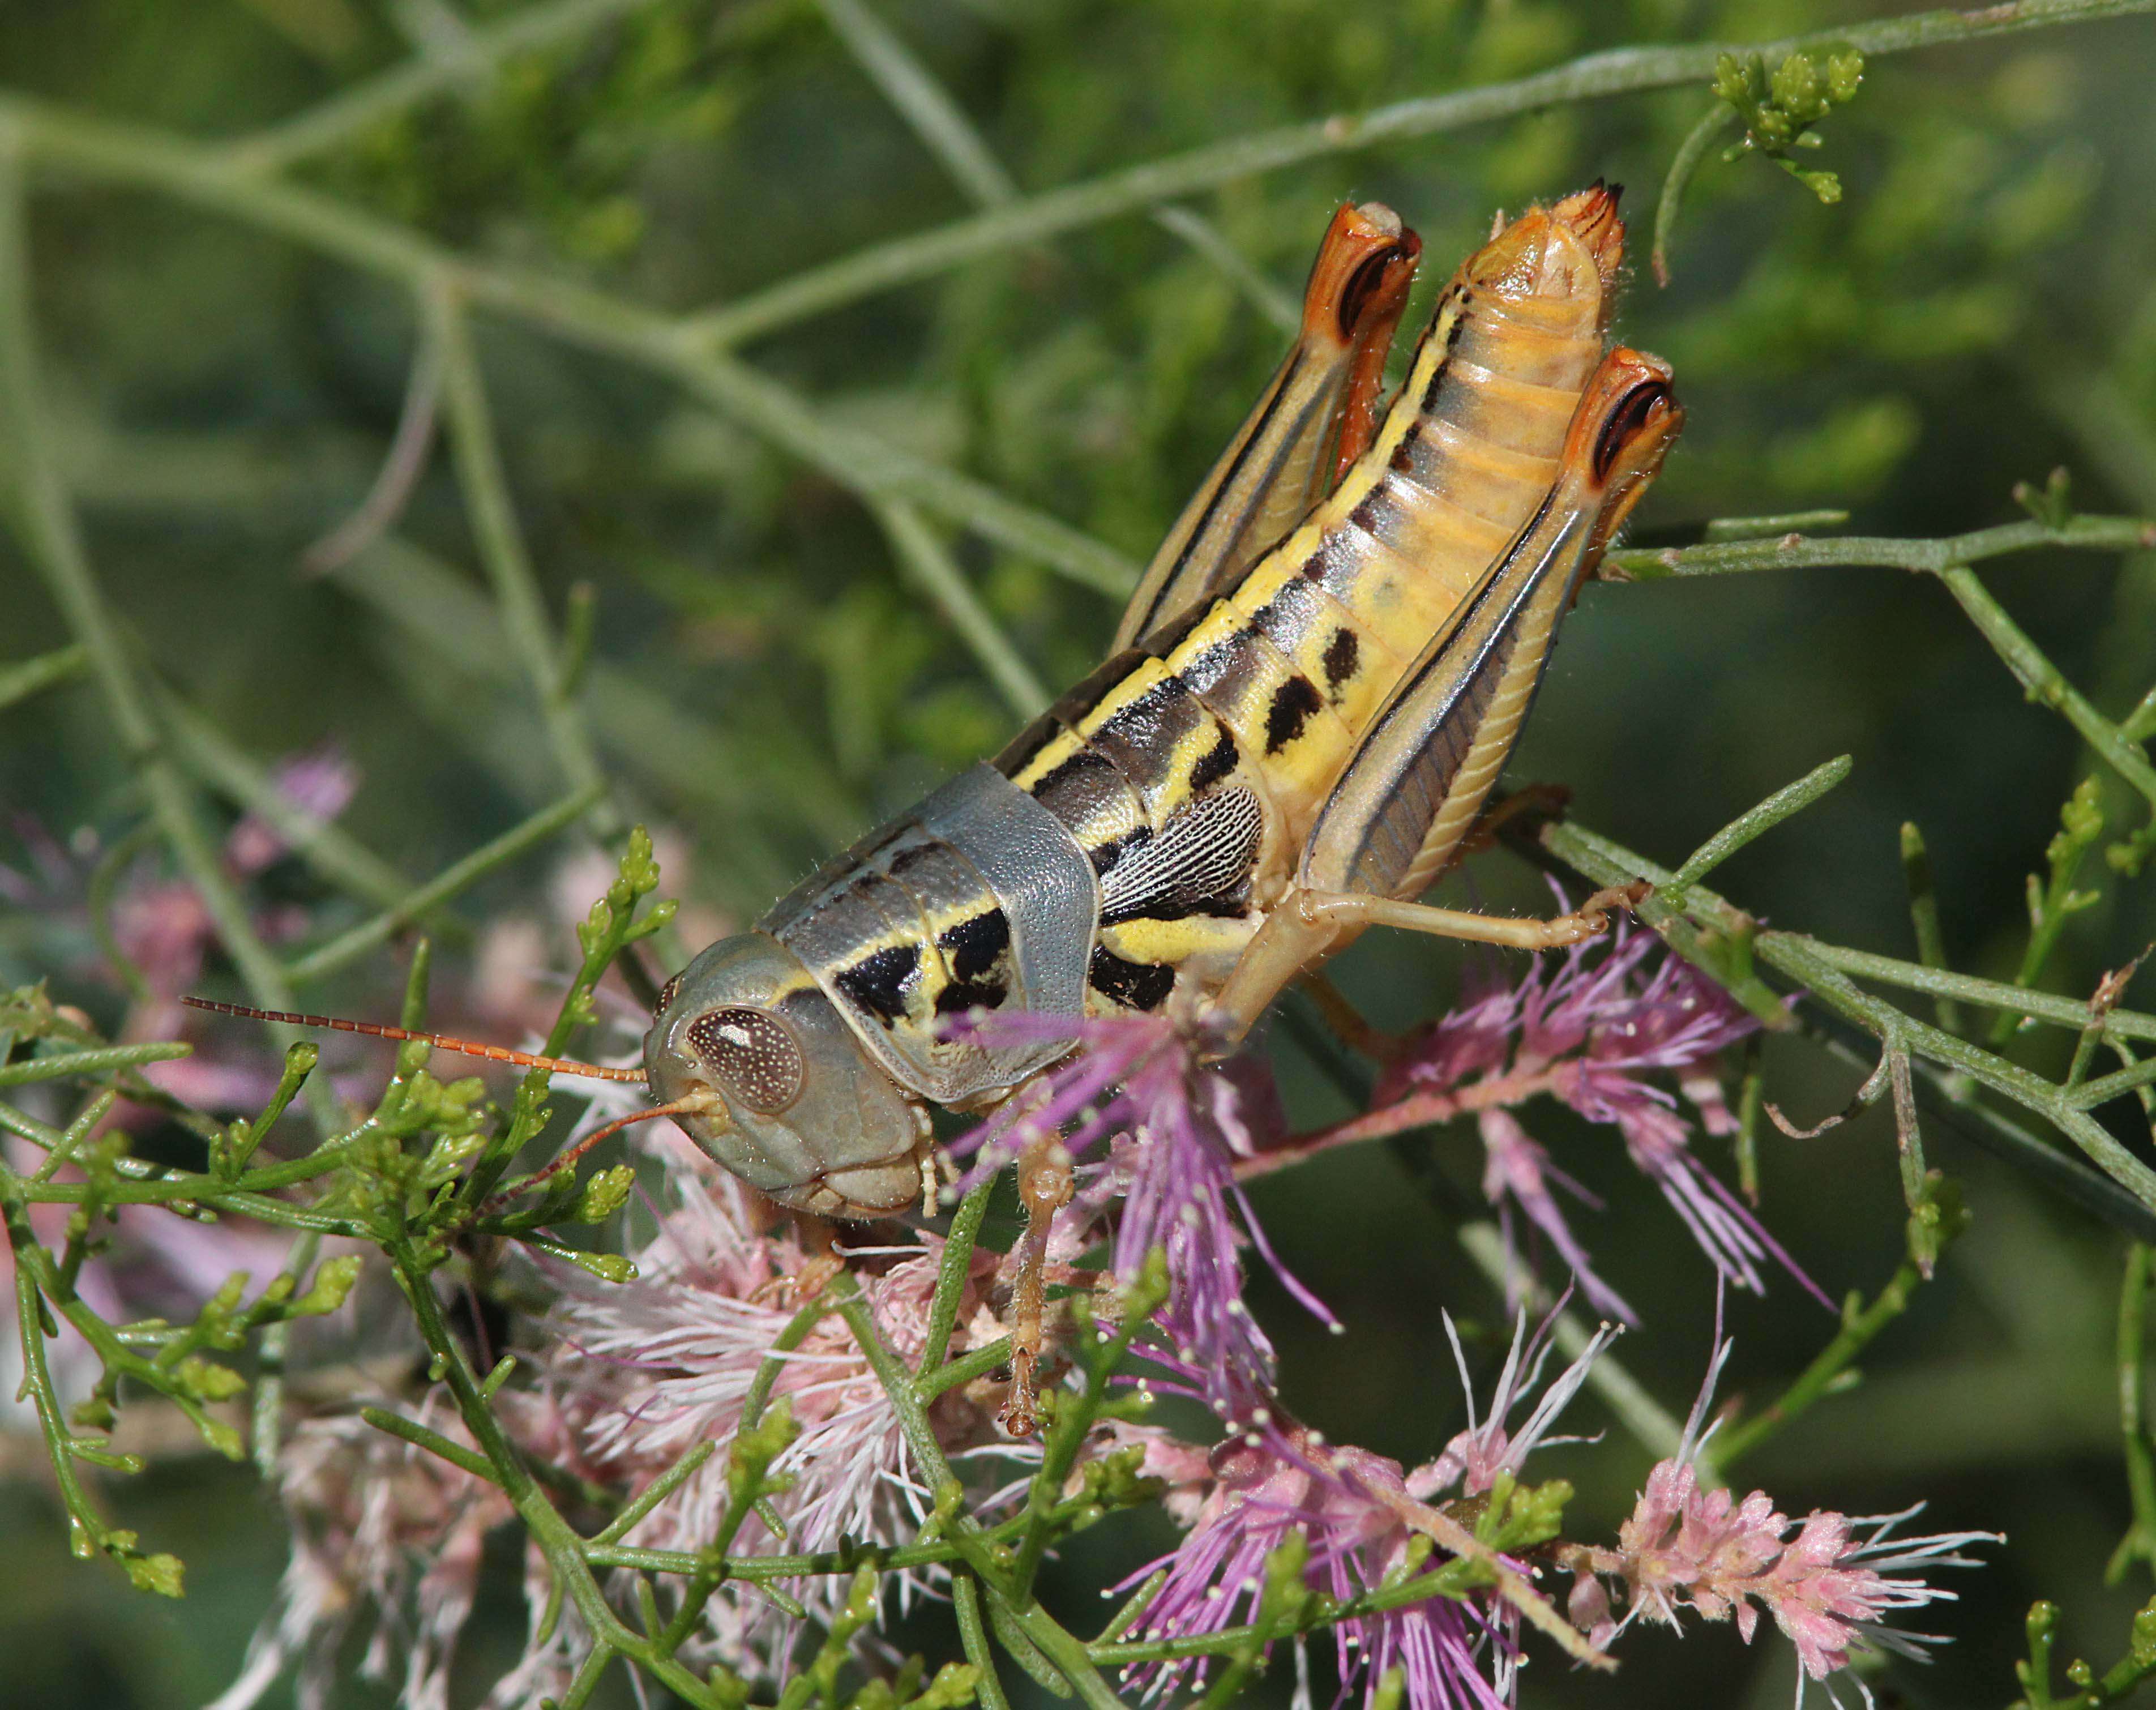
(799, 1110)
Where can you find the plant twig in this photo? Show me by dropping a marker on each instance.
(1617, 71)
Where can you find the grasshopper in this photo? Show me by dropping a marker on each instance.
(1311, 695)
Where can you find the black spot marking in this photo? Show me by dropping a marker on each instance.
(1135, 985)
(1335, 564)
(1082, 771)
(1452, 336)
(971, 994)
(1293, 702)
(974, 945)
(1404, 454)
(1379, 515)
(1364, 284)
(1019, 752)
(1217, 763)
(1104, 855)
(1625, 421)
(1343, 653)
(877, 982)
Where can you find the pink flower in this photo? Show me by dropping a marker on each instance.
(1364, 1519)
(1492, 1446)
(651, 1369)
(1175, 1124)
(1277, 1478)
(1829, 1587)
(1592, 1029)
(384, 1532)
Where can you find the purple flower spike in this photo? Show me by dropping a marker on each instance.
(1589, 1029)
(1277, 1478)
(1175, 1126)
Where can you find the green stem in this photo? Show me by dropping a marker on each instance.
(86, 1531)
(927, 107)
(2041, 680)
(1682, 165)
(44, 517)
(220, 765)
(1924, 917)
(552, 1534)
(1859, 1325)
(1936, 555)
(1618, 71)
(2140, 1543)
(30, 676)
(348, 946)
(477, 60)
(501, 545)
(977, 1362)
(57, 1064)
(1650, 1423)
(1821, 969)
(1790, 800)
(927, 563)
(951, 1275)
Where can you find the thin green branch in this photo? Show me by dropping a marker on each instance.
(502, 549)
(2044, 683)
(1800, 552)
(1924, 918)
(459, 876)
(44, 517)
(1682, 166)
(952, 1273)
(1618, 71)
(928, 565)
(476, 63)
(588, 319)
(1860, 1325)
(1991, 994)
(921, 101)
(1725, 947)
(549, 1532)
(947, 133)
(27, 677)
(1790, 800)
(433, 1442)
(2140, 1543)
(221, 765)
(99, 1060)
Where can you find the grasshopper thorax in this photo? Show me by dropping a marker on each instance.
(800, 1110)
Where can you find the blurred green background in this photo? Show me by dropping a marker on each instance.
(767, 679)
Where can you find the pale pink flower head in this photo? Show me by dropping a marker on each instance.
(1829, 1581)
(649, 1369)
(385, 1534)
(1494, 1445)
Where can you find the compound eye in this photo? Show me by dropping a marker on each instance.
(666, 996)
(754, 1053)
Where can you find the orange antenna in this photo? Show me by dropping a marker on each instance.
(464, 1047)
(699, 1102)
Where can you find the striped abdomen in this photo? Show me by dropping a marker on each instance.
(1190, 767)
